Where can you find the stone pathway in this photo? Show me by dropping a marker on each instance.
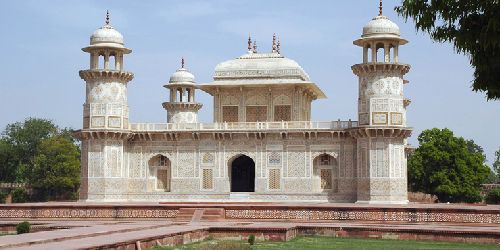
(92, 234)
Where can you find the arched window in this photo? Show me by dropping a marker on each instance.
(112, 61)
(380, 52)
(100, 64)
(323, 169)
(160, 165)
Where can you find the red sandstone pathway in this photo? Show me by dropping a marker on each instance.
(92, 234)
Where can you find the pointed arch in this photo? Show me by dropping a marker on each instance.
(241, 172)
(324, 166)
(160, 166)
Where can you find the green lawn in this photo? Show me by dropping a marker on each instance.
(319, 242)
(4, 233)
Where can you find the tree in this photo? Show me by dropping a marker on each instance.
(449, 167)
(56, 172)
(474, 28)
(496, 165)
(38, 153)
(8, 162)
(25, 137)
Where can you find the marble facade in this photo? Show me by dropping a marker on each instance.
(262, 144)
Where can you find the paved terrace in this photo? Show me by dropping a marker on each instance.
(140, 234)
(88, 225)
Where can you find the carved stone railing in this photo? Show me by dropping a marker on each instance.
(232, 126)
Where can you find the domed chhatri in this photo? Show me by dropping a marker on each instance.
(182, 76)
(106, 105)
(106, 34)
(182, 107)
(107, 37)
(380, 26)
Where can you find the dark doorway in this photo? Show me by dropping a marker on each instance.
(243, 174)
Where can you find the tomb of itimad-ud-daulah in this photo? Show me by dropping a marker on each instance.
(262, 144)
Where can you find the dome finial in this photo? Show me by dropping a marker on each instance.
(249, 42)
(107, 17)
(182, 62)
(278, 46)
(380, 8)
(255, 46)
(275, 48)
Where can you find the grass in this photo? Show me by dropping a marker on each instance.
(321, 242)
(5, 233)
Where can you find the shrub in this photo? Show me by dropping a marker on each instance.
(493, 197)
(251, 239)
(3, 196)
(19, 196)
(23, 227)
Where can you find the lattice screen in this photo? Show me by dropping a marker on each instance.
(274, 179)
(208, 158)
(325, 160)
(326, 179)
(256, 113)
(282, 113)
(163, 179)
(274, 158)
(230, 113)
(207, 179)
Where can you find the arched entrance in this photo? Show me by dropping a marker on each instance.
(242, 174)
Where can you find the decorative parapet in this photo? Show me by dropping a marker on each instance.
(281, 73)
(250, 126)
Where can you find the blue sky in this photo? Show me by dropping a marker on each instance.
(41, 56)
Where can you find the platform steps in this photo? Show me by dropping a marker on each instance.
(200, 214)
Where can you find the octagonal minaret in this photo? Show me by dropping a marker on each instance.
(105, 117)
(382, 132)
(106, 105)
(182, 107)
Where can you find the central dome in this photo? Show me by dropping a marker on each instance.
(260, 66)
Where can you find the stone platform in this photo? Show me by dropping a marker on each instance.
(413, 213)
(140, 225)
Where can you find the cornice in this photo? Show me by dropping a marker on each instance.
(383, 132)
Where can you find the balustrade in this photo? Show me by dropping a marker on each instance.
(232, 126)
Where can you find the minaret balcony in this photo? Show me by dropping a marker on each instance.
(364, 68)
(98, 74)
(189, 106)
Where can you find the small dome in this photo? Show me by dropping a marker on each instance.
(182, 75)
(107, 35)
(380, 26)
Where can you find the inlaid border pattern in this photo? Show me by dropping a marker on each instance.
(87, 212)
(403, 216)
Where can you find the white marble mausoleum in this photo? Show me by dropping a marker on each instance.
(262, 144)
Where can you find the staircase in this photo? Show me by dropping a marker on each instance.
(200, 214)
